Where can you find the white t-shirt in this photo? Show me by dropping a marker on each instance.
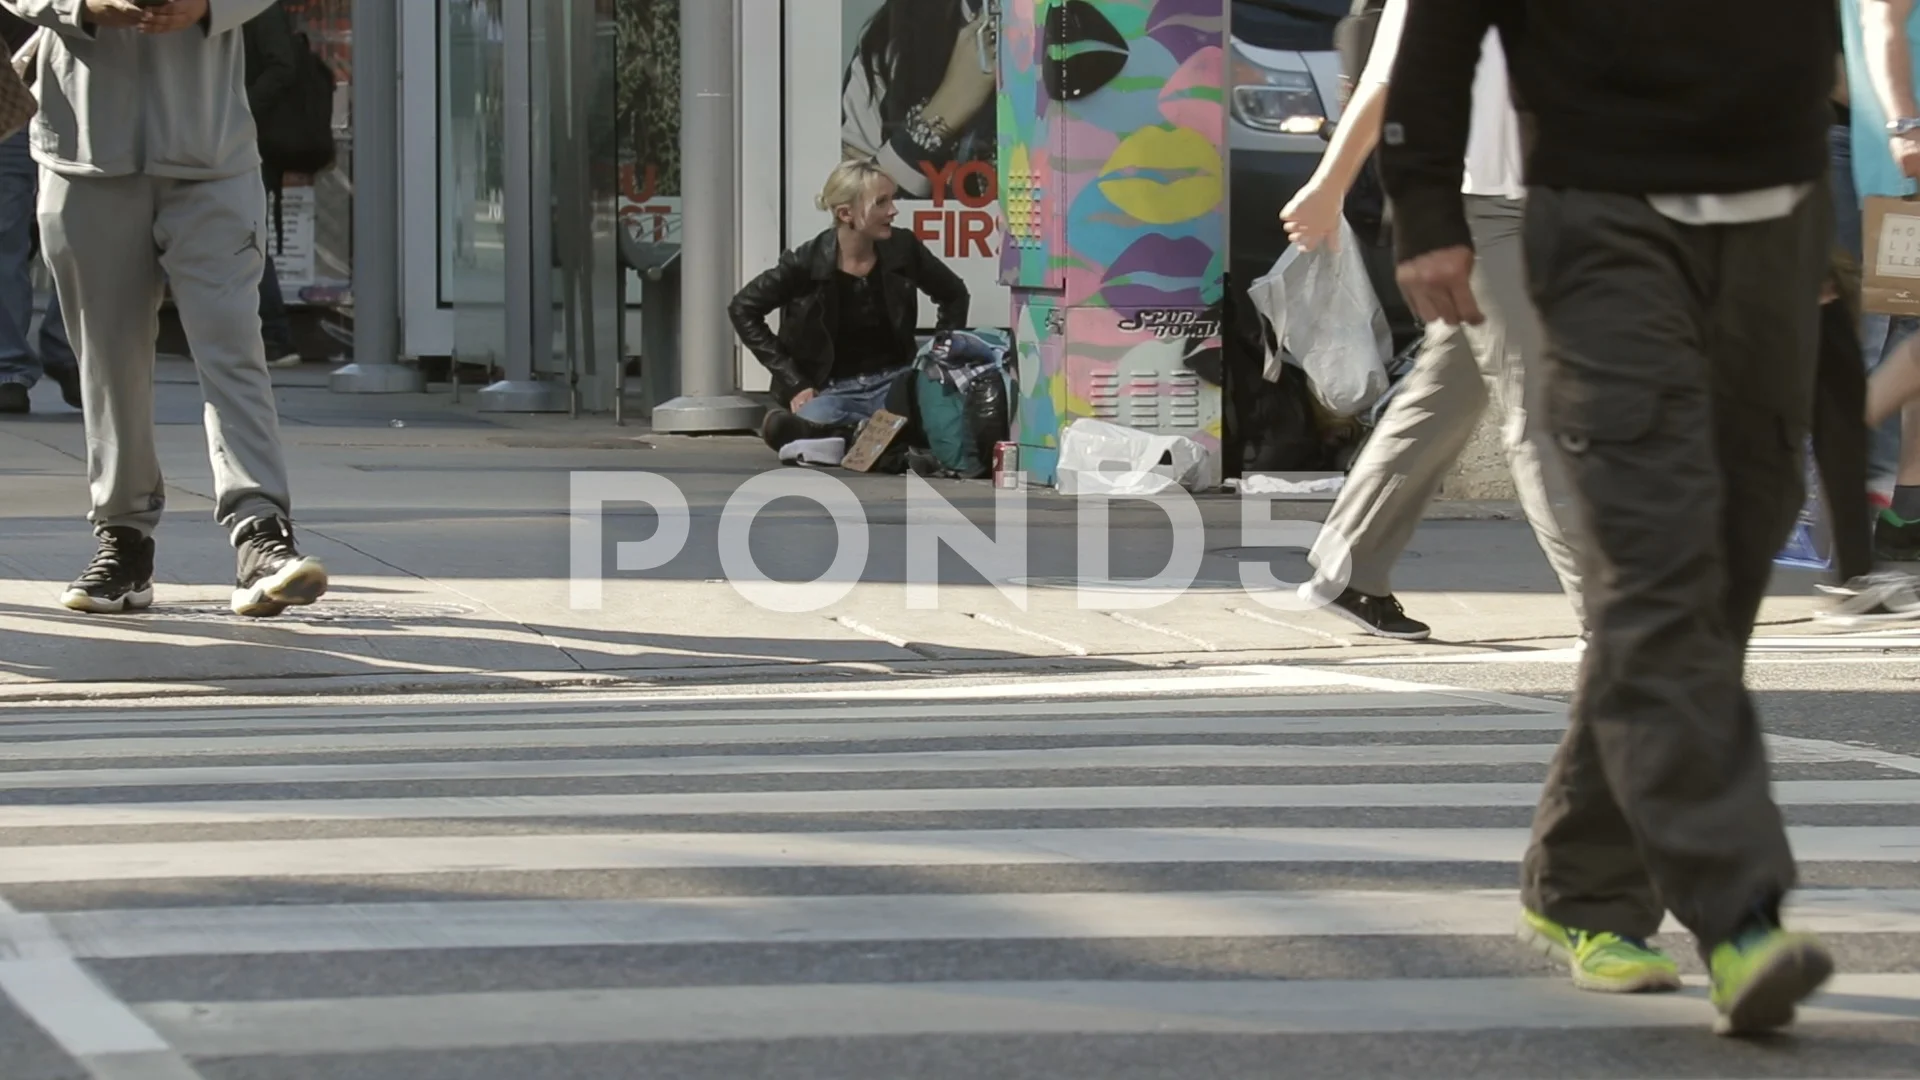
(1493, 164)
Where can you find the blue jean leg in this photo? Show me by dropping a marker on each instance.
(849, 401)
(19, 186)
(1846, 200)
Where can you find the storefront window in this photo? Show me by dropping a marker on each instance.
(472, 152)
(648, 118)
(314, 261)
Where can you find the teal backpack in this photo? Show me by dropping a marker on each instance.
(964, 386)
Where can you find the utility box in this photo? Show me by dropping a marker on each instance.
(1113, 166)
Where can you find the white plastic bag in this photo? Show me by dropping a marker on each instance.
(1328, 320)
(1098, 458)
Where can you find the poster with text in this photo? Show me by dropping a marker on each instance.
(917, 94)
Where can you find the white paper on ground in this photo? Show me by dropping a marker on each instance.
(1273, 485)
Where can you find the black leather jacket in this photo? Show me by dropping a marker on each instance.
(801, 288)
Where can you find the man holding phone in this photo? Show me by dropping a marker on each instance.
(151, 179)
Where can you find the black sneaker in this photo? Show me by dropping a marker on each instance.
(1380, 616)
(120, 578)
(782, 427)
(1895, 539)
(272, 576)
(69, 380)
(14, 398)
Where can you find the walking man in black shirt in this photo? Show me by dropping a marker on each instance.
(1677, 233)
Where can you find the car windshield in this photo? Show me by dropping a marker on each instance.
(1302, 25)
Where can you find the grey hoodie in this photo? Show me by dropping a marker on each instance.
(117, 102)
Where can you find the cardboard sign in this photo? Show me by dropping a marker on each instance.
(1890, 280)
(875, 436)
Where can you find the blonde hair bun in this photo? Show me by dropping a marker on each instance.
(849, 184)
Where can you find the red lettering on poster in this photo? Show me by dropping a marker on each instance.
(633, 188)
(949, 181)
(649, 223)
(990, 190)
(975, 227)
(926, 225)
(956, 234)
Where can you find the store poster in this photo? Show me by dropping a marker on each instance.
(291, 228)
(931, 59)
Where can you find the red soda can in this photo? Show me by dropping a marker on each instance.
(1006, 465)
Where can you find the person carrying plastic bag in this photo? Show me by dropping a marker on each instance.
(1437, 406)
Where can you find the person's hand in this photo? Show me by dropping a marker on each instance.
(965, 88)
(801, 399)
(114, 13)
(1438, 286)
(1906, 154)
(172, 16)
(1312, 217)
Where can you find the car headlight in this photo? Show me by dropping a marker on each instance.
(1283, 101)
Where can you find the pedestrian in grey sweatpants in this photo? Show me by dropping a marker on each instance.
(1437, 406)
(151, 178)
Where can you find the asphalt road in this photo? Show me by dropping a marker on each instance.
(1259, 872)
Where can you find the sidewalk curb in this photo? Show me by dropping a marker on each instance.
(478, 682)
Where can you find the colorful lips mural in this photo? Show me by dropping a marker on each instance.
(1112, 126)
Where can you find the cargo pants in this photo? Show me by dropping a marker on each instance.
(1681, 366)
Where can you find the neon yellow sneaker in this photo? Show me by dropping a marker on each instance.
(1607, 963)
(1760, 977)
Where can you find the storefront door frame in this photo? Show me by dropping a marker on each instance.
(428, 322)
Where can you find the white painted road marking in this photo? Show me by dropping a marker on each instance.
(721, 1013)
(763, 920)
(258, 859)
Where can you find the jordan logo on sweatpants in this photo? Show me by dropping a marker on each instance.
(252, 244)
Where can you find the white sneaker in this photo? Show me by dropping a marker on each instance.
(1883, 596)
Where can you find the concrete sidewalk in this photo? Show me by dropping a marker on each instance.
(447, 533)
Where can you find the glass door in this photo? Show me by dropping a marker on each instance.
(528, 177)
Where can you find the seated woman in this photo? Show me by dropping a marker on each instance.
(849, 308)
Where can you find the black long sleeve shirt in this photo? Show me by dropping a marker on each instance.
(15, 30)
(1625, 96)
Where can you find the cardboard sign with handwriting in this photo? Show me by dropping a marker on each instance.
(1890, 280)
(875, 436)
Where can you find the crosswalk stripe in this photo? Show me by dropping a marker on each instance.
(956, 847)
(1073, 758)
(788, 920)
(712, 1014)
(1242, 683)
(739, 734)
(876, 801)
(1045, 759)
(1331, 703)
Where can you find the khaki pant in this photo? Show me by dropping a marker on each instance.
(1435, 410)
(1680, 371)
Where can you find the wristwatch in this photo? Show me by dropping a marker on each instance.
(1905, 125)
